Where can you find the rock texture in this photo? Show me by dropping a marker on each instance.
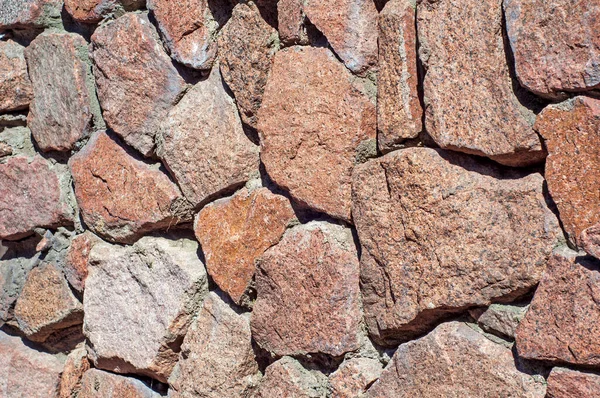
(567, 383)
(236, 231)
(137, 83)
(16, 91)
(287, 378)
(14, 267)
(151, 290)
(308, 293)
(500, 318)
(556, 45)
(203, 145)
(216, 359)
(92, 11)
(441, 232)
(97, 383)
(470, 104)
(76, 261)
(27, 14)
(313, 125)
(292, 22)
(121, 197)
(354, 377)
(75, 367)
(590, 240)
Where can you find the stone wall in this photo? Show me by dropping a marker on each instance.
(299, 198)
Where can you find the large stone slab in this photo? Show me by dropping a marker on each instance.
(441, 232)
(16, 91)
(567, 383)
(470, 103)
(99, 384)
(288, 378)
(314, 124)
(27, 14)
(92, 11)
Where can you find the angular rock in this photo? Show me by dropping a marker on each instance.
(464, 362)
(288, 378)
(247, 45)
(121, 197)
(572, 133)
(564, 317)
(33, 193)
(137, 83)
(203, 145)
(75, 367)
(314, 125)
(151, 290)
(567, 383)
(292, 22)
(500, 318)
(354, 377)
(216, 357)
(17, 138)
(76, 260)
(236, 231)
(99, 384)
(351, 29)
(92, 11)
(61, 112)
(590, 240)
(441, 232)
(46, 304)
(16, 91)
(470, 103)
(399, 110)
(26, 14)
(556, 46)
(308, 293)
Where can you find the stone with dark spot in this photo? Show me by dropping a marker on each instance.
(292, 22)
(92, 11)
(76, 261)
(76, 365)
(16, 91)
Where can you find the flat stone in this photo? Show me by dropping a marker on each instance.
(76, 260)
(556, 47)
(590, 240)
(564, 317)
(291, 22)
(567, 383)
(399, 113)
(27, 14)
(216, 357)
(308, 293)
(572, 133)
(351, 29)
(234, 232)
(99, 384)
(75, 367)
(314, 124)
(470, 103)
(441, 232)
(33, 193)
(500, 318)
(353, 377)
(247, 45)
(137, 82)
(151, 290)
(288, 378)
(93, 11)
(465, 364)
(120, 197)
(16, 91)
(203, 145)
(60, 113)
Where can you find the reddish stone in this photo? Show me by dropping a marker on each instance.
(15, 88)
(121, 198)
(572, 134)
(567, 383)
(308, 293)
(99, 384)
(313, 125)
(75, 367)
(27, 14)
(137, 82)
(563, 320)
(76, 260)
(287, 378)
(353, 377)
(590, 240)
(469, 99)
(236, 231)
(32, 194)
(291, 22)
(556, 45)
(92, 11)
(441, 232)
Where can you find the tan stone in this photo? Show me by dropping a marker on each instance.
(99, 384)
(92, 11)
(75, 367)
(27, 14)
(353, 377)
(567, 383)
(16, 91)
(288, 378)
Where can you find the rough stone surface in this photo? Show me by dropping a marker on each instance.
(121, 197)
(572, 134)
(16, 137)
(216, 358)
(564, 316)
(60, 113)
(441, 232)
(556, 44)
(292, 22)
(25, 14)
(350, 27)
(354, 377)
(150, 291)
(32, 194)
(399, 110)
(26, 372)
(464, 362)
(308, 293)
(313, 125)
(246, 48)
(288, 378)
(75, 367)
(92, 11)
(470, 104)
(500, 318)
(590, 240)
(236, 231)
(567, 383)
(203, 145)
(16, 91)
(76, 260)
(137, 83)
(99, 384)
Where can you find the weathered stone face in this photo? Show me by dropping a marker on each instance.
(288, 378)
(314, 124)
(308, 293)
(27, 14)
(75, 367)
(441, 232)
(76, 260)
(292, 22)
(590, 240)
(216, 358)
(469, 99)
(97, 383)
(572, 134)
(461, 360)
(137, 83)
(500, 318)
(556, 45)
(567, 383)
(353, 377)
(151, 290)
(92, 11)
(16, 91)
